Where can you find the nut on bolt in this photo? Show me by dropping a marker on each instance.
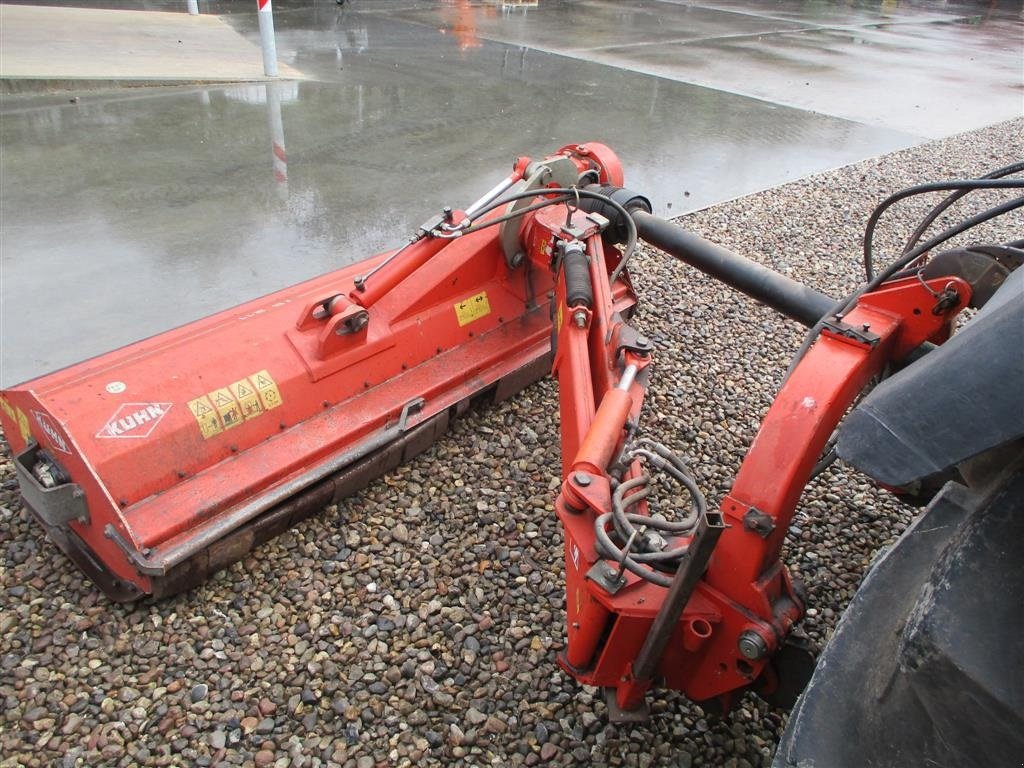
(580, 318)
(582, 478)
(751, 645)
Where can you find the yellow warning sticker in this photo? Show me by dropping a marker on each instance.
(244, 392)
(228, 409)
(18, 417)
(209, 422)
(473, 308)
(267, 389)
(22, 420)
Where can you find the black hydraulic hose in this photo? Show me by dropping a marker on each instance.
(565, 194)
(947, 234)
(783, 294)
(843, 305)
(546, 202)
(939, 209)
(965, 185)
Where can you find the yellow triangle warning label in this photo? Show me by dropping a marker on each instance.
(206, 417)
(230, 406)
(246, 396)
(270, 395)
(227, 407)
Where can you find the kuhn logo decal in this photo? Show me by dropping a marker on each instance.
(52, 433)
(134, 420)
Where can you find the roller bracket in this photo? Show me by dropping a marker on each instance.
(56, 506)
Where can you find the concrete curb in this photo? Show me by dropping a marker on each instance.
(24, 86)
(63, 48)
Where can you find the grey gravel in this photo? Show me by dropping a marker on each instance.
(418, 622)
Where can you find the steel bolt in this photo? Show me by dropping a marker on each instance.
(642, 341)
(751, 645)
(354, 324)
(582, 478)
(580, 318)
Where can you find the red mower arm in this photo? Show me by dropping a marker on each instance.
(157, 464)
(696, 600)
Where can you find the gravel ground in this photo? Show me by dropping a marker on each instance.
(418, 622)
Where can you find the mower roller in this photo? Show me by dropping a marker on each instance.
(156, 464)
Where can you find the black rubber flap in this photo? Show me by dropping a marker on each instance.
(954, 403)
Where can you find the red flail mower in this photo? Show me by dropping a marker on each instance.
(156, 464)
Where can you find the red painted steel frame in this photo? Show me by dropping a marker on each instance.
(298, 378)
(746, 587)
(176, 438)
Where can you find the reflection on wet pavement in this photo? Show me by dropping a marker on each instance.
(928, 70)
(130, 212)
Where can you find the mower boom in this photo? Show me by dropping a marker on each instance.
(154, 465)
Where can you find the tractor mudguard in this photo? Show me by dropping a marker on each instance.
(926, 666)
(956, 402)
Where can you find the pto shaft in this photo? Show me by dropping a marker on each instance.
(792, 299)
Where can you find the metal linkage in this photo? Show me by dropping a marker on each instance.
(708, 528)
(645, 551)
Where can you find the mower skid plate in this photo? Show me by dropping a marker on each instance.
(154, 465)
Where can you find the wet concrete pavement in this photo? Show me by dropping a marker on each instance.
(128, 212)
